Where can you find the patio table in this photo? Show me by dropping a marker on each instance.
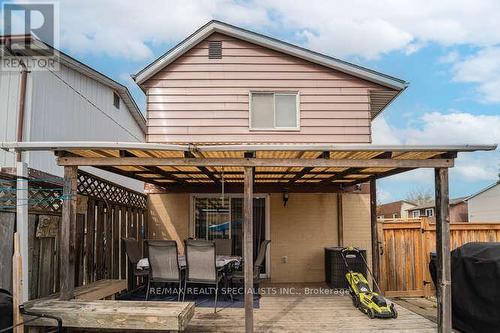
(220, 261)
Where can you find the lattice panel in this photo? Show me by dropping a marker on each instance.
(92, 186)
(48, 198)
(40, 199)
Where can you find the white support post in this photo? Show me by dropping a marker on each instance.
(22, 227)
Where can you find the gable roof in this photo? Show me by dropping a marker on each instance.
(484, 190)
(380, 99)
(63, 58)
(392, 207)
(431, 204)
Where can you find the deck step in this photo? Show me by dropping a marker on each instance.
(115, 315)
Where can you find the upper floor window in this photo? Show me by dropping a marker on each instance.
(416, 213)
(116, 100)
(429, 212)
(274, 111)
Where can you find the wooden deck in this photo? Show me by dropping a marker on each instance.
(306, 313)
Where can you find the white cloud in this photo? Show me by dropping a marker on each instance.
(345, 28)
(127, 29)
(449, 58)
(450, 128)
(482, 68)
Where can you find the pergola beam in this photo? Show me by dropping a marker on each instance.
(253, 162)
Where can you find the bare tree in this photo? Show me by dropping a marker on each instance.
(419, 196)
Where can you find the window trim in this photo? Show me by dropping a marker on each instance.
(415, 214)
(429, 210)
(274, 93)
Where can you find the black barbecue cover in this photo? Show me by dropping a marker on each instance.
(5, 309)
(475, 284)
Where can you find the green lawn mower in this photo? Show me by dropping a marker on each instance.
(363, 298)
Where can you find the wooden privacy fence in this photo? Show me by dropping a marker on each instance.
(106, 212)
(405, 252)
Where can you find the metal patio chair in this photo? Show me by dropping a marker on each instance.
(201, 265)
(133, 252)
(239, 276)
(164, 264)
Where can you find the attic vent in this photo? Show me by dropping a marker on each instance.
(214, 50)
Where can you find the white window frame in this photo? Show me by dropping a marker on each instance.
(415, 214)
(427, 210)
(274, 92)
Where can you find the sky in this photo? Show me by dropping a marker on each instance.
(448, 50)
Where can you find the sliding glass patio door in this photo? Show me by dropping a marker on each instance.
(217, 217)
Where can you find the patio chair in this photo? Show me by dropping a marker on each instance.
(239, 276)
(223, 247)
(201, 265)
(134, 255)
(164, 264)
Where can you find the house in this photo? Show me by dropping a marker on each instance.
(272, 140)
(484, 206)
(72, 103)
(458, 210)
(394, 210)
(227, 85)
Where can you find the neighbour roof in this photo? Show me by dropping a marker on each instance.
(484, 190)
(289, 166)
(7, 41)
(380, 97)
(432, 203)
(392, 207)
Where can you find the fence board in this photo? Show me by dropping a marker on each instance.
(406, 247)
(99, 242)
(90, 241)
(7, 221)
(79, 248)
(116, 242)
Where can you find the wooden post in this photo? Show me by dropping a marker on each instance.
(248, 247)
(17, 292)
(374, 230)
(22, 200)
(340, 220)
(67, 234)
(443, 250)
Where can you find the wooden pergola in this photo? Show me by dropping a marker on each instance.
(260, 168)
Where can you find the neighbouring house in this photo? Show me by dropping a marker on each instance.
(72, 103)
(227, 85)
(394, 210)
(458, 210)
(484, 206)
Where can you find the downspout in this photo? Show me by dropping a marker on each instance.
(21, 107)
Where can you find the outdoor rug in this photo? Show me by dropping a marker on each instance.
(201, 295)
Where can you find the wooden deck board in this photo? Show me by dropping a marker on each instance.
(306, 313)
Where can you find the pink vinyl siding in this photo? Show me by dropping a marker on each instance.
(196, 99)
